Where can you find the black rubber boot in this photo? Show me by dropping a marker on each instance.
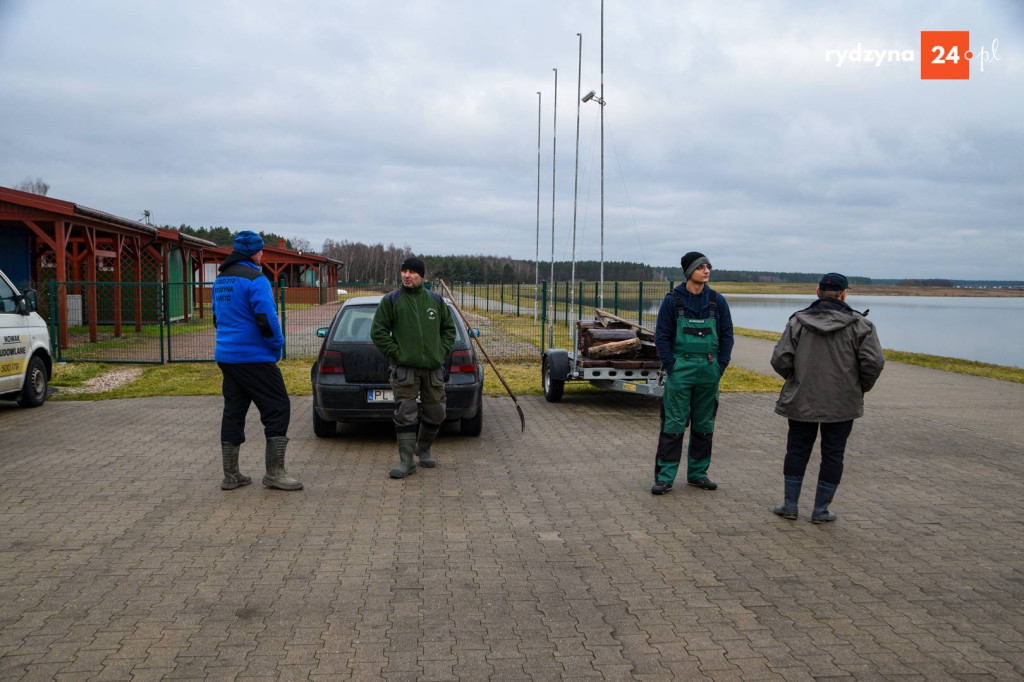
(822, 499)
(406, 452)
(424, 439)
(788, 509)
(276, 476)
(232, 478)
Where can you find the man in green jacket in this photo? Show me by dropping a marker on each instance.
(413, 328)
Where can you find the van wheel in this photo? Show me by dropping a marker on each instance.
(553, 388)
(33, 393)
(323, 428)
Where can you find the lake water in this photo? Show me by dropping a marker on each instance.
(982, 329)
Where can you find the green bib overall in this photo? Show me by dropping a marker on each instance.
(691, 395)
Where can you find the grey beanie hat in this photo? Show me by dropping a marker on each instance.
(691, 261)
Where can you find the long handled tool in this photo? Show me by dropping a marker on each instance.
(451, 297)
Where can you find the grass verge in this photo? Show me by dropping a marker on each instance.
(204, 378)
(957, 365)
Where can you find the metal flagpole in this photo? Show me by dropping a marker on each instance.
(536, 265)
(554, 147)
(602, 153)
(576, 181)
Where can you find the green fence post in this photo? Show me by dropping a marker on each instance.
(616, 297)
(284, 321)
(640, 306)
(161, 310)
(579, 307)
(519, 291)
(543, 312)
(54, 320)
(502, 297)
(567, 311)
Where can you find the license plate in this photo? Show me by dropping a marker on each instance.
(380, 395)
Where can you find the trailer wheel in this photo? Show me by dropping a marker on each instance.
(553, 388)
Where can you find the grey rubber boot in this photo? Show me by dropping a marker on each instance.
(424, 439)
(822, 499)
(276, 476)
(788, 509)
(232, 478)
(406, 452)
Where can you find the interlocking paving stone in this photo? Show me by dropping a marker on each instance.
(536, 556)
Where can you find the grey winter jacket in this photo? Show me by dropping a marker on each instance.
(830, 357)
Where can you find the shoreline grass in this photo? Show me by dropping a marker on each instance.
(955, 365)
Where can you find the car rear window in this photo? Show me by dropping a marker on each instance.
(356, 322)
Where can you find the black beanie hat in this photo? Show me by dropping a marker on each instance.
(416, 265)
(692, 261)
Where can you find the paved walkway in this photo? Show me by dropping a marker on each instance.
(537, 556)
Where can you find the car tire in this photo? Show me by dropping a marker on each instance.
(322, 427)
(553, 388)
(33, 392)
(474, 425)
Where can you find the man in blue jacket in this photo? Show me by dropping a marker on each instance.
(249, 342)
(694, 341)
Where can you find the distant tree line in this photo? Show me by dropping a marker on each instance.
(225, 236)
(367, 262)
(676, 275)
(924, 283)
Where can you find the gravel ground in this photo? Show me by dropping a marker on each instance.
(104, 382)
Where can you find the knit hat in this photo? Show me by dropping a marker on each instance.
(248, 243)
(692, 261)
(416, 265)
(833, 281)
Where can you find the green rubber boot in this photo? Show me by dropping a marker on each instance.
(406, 452)
(424, 439)
(276, 476)
(232, 478)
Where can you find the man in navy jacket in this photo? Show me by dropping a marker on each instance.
(694, 339)
(249, 342)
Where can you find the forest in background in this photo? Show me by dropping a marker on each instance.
(381, 263)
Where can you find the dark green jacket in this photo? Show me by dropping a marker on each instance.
(413, 328)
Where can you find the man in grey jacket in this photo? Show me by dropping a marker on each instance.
(830, 357)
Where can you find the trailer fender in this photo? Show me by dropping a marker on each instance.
(558, 362)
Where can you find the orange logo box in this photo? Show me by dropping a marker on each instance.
(946, 55)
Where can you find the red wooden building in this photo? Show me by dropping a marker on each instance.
(44, 240)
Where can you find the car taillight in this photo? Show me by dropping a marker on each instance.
(463, 361)
(331, 363)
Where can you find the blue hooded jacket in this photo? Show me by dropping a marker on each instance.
(244, 314)
(695, 307)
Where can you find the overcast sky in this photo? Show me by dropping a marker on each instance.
(415, 123)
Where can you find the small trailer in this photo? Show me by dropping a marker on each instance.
(609, 352)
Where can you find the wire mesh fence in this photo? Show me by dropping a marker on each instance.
(156, 323)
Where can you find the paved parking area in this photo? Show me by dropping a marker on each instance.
(536, 556)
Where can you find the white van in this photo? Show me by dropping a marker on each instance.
(25, 361)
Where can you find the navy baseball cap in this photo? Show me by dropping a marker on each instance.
(833, 281)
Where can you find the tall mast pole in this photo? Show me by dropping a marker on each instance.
(554, 148)
(602, 154)
(576, 181)
(536, 262)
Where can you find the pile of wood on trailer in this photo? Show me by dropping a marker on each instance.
(610, 341)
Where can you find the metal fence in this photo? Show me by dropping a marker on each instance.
(158, 323)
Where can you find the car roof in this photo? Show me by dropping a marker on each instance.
(364, 300)
(375, 300)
